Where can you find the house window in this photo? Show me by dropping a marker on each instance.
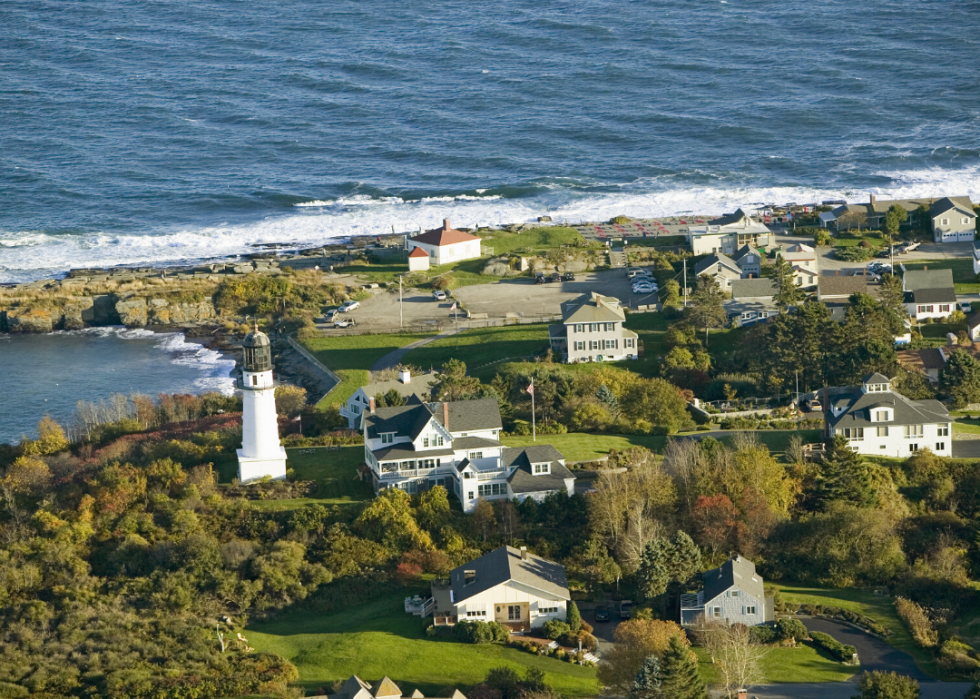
(913, 447)
(579, 327)
(940, 446)
(547, 610)
(924, 309)
(610, 327)
(469, 474)
(853, 433)
(944, 308)
(734, 593)
(387, 438)
(542, 468)
(611, 344)
(476, 614)
(964, 220)
(750, 611)
(942, 431)
(476, 455)
(716, 612)
(882, 431)
(425, 441)
(628, 343)
(913, 431)
(580, 346)
(881, 416)
(513, 612)
(439, 441)
(944, 222)
(469, 495)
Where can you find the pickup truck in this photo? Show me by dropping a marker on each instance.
(625, 609)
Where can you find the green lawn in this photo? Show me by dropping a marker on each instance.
(378, 638)
(966, 427)
(481, 346)
(351, 356)
(937, 331)
(786, 665)
(879, 607)
(964, 280)
(335, 473)
(534, 240)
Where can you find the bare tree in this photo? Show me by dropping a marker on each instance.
(737, 657)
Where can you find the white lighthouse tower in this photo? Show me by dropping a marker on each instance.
(261, 454)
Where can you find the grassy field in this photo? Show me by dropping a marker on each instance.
(966, 427)
(481, 346)
(879, 607)
(964, 280)
(351, 356)
(335, 473)
(379, 638)
(579, 446)
(782, 665)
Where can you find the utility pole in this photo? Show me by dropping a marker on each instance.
(685, 282)
(401, 316)
(534, 429)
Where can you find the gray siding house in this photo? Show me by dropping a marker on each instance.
(953, 220)
(733, 593)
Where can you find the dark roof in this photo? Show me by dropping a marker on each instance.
(714, 259)
(409, 420)
(948, 203)
(400, 420)
(735, 572)
(842, 286)
(973, 321)
(728, 219)
(474, 442)
(405, 451)
(946, 295)
(876, 378)
(470, 415)
(745, 250)
(856, 405)
(752, 288)
(927, 279)
(506, 564)
(524, 480)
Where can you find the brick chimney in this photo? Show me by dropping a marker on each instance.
(743, 694)
(872, 200)
(445, 224)
(371, 405)
(445, 416)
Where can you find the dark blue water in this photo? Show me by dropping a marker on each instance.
(135, 131)
(39, 380)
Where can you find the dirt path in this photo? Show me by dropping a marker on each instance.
(393, 359)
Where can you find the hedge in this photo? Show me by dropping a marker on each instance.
(865, 622)
(838, 650)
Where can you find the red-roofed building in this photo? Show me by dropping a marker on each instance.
(418, 260)
(445, 244)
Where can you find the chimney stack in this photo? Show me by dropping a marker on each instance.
(405, 376)
(445, 224)
(371, 405)
(872, 200)
(445, 416)
(523, 553)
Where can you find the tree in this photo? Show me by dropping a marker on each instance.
(665, 562)
(679, 677)
(573, 617)
(390, 399)
(290, 400)
(894, 218)
(891, 296)
(646, 685)
(608, 399)
(706, 309)
(635, 641)
(887, 685)
(51, 439)
(484, 518)
(960, 378)
(454, 384)
(672, 293)
(659, 402)
(844, 476)
(787, 292)
(715, 520)
(737, 657)
(505, 680)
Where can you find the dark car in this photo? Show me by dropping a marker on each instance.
(886, 253)
(568, 277)
(555, 277)
(625, 609)
(602, 613)
(539, 278)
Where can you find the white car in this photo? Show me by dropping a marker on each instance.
(644, 289)
(348, 306)
(344, 323)
(966, 306)
(636, 271)
(439, 295)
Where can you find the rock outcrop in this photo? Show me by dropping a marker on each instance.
(132, 311)
(30, 320)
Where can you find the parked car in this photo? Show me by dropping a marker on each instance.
(966, 306)
(625, 609)
(330, 315)
(568, 277)
(886, 253)
(909, 247)
(634, 271)
(644, 289)
(439, 295)
(344, 323)
(348, 306)
(602, 613)
(555, 277)
(539, 278)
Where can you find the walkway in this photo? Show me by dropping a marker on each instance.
(846, 690)
(393, 359)
(617, 258)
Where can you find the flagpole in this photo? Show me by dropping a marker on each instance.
(534, 429)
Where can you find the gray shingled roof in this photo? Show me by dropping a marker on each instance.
(945, 295)
(409, 420)
(471, 415)
(973, 321)
(713, 259)
(928, 279)
(949, 203)
(752, 288)
(728, 219)
(857, 406)
(474, 442)
(745, 250)
(595, 308)
(842, 286)
(505, 564)
(735, 572)
(420, 386)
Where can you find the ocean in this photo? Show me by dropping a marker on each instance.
(48, 374)
(142, 132)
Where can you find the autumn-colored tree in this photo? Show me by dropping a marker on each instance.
(715, 520)
(636, 640)
(50, 439)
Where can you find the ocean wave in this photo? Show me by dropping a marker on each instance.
(29, 256)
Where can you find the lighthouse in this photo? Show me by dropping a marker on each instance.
(261, 454)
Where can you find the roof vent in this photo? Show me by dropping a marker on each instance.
(523, 553)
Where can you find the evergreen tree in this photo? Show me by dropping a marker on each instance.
(787, 292)
(706, 309)
(844, 477)
(573, 618)
(686, 557)
(893, 220)
(608, 399)
(655, 568)
(679, 673)
(671, 293)
(960, 378)
(647, 682)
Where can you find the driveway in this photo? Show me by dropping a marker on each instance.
(873, 653)
(846, 690)
(602, 630)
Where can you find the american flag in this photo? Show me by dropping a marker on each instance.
(453, 307)
(530, 389)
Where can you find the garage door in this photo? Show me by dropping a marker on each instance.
(965, 236)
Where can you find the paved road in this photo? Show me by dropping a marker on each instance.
(874, 653)
(846, 690)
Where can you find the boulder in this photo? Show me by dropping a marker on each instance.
(79, 313)
(132, 312)
(164, 313)
(30, 320)
(499, 267)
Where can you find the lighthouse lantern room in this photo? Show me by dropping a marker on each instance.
(261, 454)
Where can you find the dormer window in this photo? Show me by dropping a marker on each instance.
(542, 468)
(881, 416)
(469, 577)
(387, 438)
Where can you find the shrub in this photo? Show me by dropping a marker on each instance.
(762, 634)
(555, 629)
(501, 634)
(887, 685)
(474, 632)
(856, 253)
(572, 639)
(837, 650)
(956, 656)
(918, 622)
(791, 628)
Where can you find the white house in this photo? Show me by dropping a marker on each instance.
(446, 244)
(929, 293)
(878, 421)
(418, 260)
(733, 593)
(593, 330)
(728, 234)
(508, 585)
(356, 688)
(456, 445)
(800, 256)
(406, 385)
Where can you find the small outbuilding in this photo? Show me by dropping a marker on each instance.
(446, 244)
(418, 260)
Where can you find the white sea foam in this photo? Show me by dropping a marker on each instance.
(25, 256)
